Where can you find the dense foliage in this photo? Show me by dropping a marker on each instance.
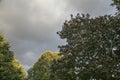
(92, 50)
(41, 69)
(10, 68)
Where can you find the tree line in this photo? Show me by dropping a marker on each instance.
(91, 52)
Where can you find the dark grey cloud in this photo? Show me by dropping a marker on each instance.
(31, 25)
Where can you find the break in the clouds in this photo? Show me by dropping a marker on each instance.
(31, 25)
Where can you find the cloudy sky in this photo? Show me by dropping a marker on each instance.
(31, 25)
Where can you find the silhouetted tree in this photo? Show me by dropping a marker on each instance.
(117, 4)
(92, 50)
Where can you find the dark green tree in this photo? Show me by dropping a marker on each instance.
(92, 51)
(117, 4)
(10, 68)
(41, 69)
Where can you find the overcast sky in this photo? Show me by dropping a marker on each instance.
(31, 25)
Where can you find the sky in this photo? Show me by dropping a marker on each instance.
(30, 26)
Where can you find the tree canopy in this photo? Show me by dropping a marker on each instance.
(10, 68)
(92, 50)
(117, 4)
(41, 69)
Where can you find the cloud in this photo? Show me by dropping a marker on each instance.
(93, 7)
(31, 25)
(30, 18)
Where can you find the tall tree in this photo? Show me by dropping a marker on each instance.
(41, 69)
(92, 50)
(10, 68)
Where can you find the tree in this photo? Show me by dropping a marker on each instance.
(117, 4)
(41, 69)
(10, 68)
(92, 51)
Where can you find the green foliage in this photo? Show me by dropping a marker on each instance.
(92, 50)
(10, 68)
(4, 49)
(20, 71)
(41, 69)
(117, 4)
